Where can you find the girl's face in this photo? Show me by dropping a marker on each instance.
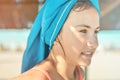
(79, 36)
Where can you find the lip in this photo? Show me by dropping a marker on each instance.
(87, 54)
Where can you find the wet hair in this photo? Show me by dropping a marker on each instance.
(82, 5)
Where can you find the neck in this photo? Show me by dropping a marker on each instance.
(65, 69)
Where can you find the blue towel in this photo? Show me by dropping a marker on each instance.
(46, 27)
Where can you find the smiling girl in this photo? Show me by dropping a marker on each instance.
(71, 49)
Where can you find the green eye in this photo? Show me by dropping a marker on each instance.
(83, 31)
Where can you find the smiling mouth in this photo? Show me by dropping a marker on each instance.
(87, 54)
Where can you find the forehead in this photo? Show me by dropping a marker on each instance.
(87, 16)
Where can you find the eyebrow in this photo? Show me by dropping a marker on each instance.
(87, 26)
(83, 25)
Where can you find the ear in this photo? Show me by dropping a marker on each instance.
(56, 41)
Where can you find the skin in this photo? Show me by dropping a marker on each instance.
(74, 47)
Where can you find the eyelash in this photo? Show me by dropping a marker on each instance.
(96, 31)
(85, 31)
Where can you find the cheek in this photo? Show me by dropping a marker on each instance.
(79, 44)
(74, 42)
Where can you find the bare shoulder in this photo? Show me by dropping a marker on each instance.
(31, 75)
(36, 73)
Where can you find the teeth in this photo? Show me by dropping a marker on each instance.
(86, 53)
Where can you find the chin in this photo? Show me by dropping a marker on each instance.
(85, 64)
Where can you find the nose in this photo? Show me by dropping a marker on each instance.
(92, 43)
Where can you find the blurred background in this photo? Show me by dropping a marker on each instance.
(17, 17)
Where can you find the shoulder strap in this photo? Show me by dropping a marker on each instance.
(44, 72)
(80, 73)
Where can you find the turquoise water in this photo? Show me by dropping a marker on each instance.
(14, 36)
(109, 37)
(20, 36)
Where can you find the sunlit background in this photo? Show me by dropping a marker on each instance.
(17, 17)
